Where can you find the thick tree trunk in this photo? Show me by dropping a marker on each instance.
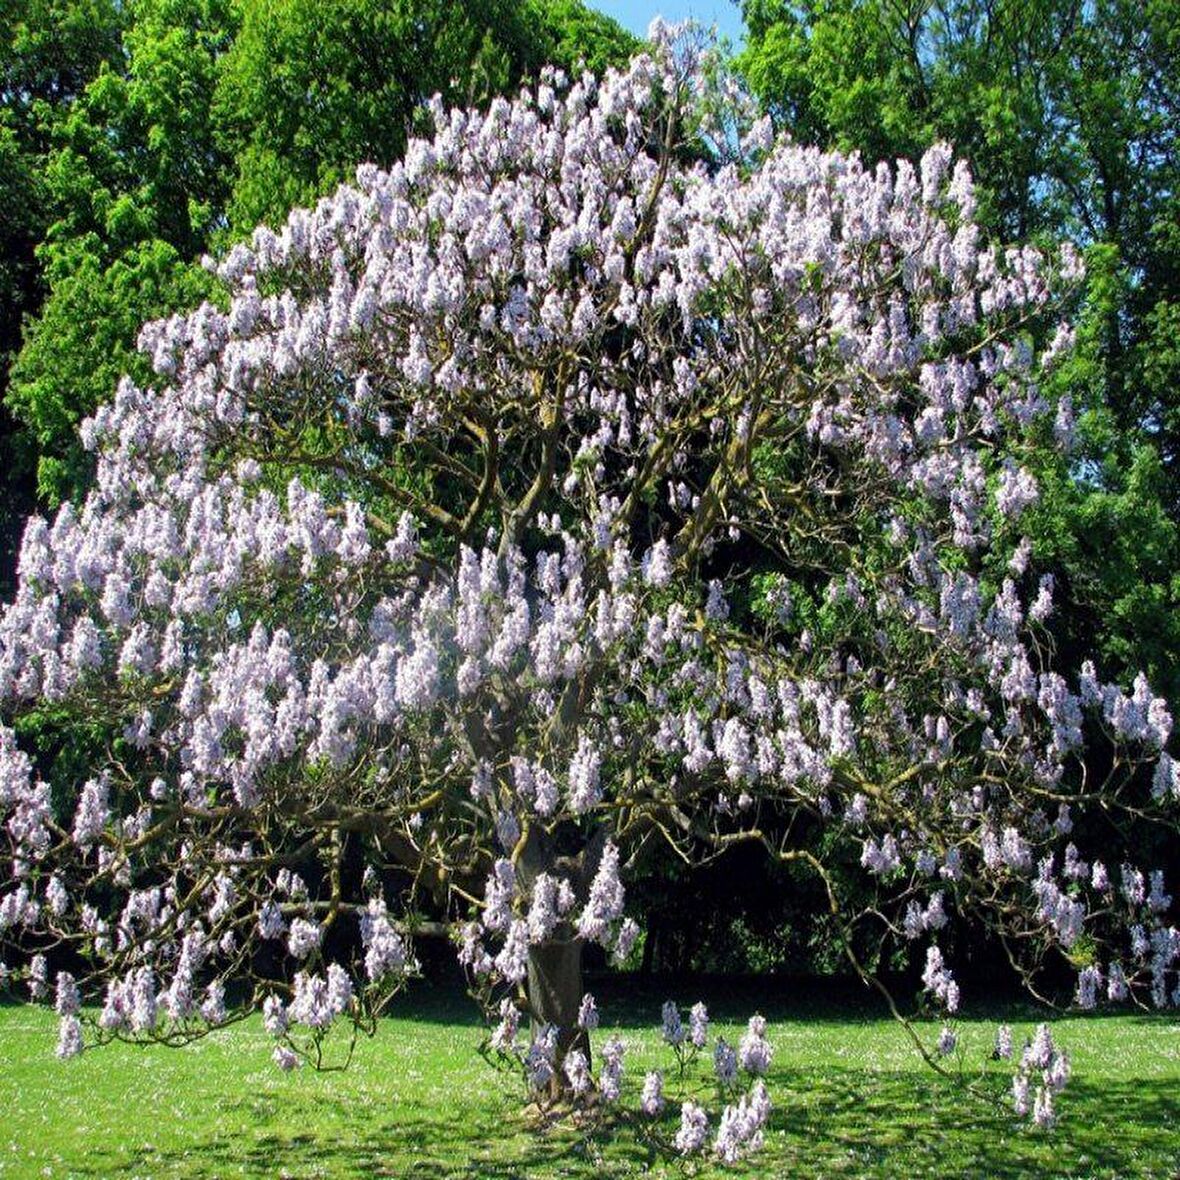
(555, 995)
(555, 967)
(555, 983)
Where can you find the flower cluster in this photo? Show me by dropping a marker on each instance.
(1040, 1057)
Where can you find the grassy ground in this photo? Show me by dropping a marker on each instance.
(850, 1100)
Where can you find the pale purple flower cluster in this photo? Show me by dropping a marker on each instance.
(741, 1127)
(610, 1079)
(304, 937)
(588, 1013)
(938, 980)
(651, 1100)
(131, 1003)
(320, 999)
(271, 923)
(1089, 981)
(386, 952)
(882, 858)
(552, 900)
(540, 1058)
(38, 977)
(725, 1062)
(274, 1016)
(503, 1038)
(754, 1050)
(93, 813)
(286, 1058)
(672, 1030)
(605, 903)
(919, 919)
(68, 1005)
(693, 1132)
(1040, 1057)
(1003, 1046)
(577, 1071)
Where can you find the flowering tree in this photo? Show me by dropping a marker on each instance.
(547, 498)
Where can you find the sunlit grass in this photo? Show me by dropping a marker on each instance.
(851, 1099)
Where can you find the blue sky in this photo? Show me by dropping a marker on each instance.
(636, 15)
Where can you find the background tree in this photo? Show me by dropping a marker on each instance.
(1067, 114)
(549, 498)
(49, 50)
(309, 89)
(205, 118)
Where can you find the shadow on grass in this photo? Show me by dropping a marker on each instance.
(850, 1122)
(895, 1124)
(634, 1001)
(396, 1143)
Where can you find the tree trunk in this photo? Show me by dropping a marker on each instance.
(555, 995)
(555, 967)
(649, 945)
(555, 983)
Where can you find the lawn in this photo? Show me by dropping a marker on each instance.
(850, 1099)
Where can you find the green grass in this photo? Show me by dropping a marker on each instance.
(850, 1099)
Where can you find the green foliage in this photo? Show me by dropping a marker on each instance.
(83, 342)
(578, 38)
(834, 73)
(134, 137)
(1068, 116)
(311, 88)
(128, 183)
(1116, 547)
(49, 50)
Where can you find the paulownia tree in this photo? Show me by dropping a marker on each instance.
(549, 499)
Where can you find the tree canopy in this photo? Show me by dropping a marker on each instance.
(552, 497)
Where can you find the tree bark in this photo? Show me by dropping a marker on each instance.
(555, 983)
(555, 995)
(555, 967)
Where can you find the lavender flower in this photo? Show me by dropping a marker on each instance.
(274, 1016)
(1003, 1048)
(540, 1057)
(740, 1130)
(694, 1129)
(285, 1058)
(38, 977)
(605, 903)
(503, 1038)
(610, 1080)
(588, 1013)
(577, 1071)
(725, 1063)
(672, 1030)
(651, 1100)
(69, 1003)
(69, 1039)
(303, 938)
(754, 1050)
